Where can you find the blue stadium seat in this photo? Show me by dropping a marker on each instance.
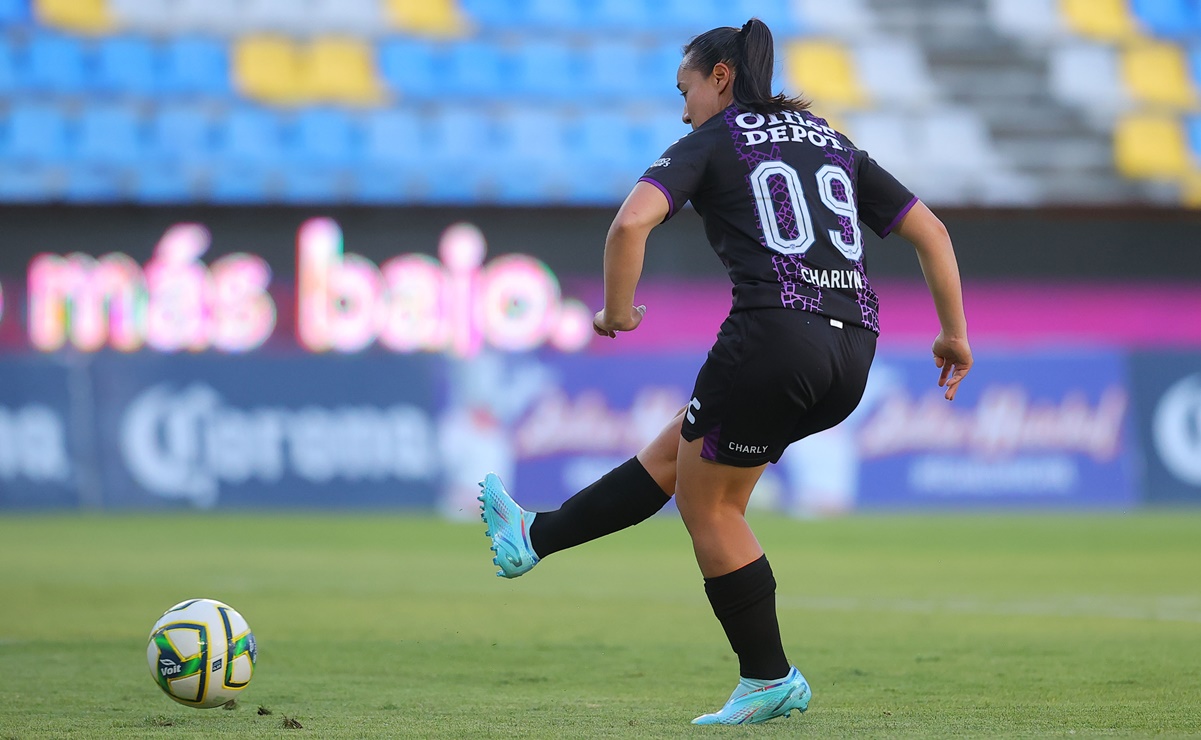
(659, 66)
(1195, 63)
(692, 17)
(475, 69)
(180, 132)
(392, 138)
(14, 11)
(37, 133)
(56, 63)
(547, 68)
(415, 68)
(109, 134)
(377, 185)
(460, 137)
(556, 14)
(495, 13)
(196, 65)
(250, 137)
(326, 136)
(159, 184)
(622, 15)
(604, 139)
(236, 184)
(1169, 18)
(531, 139)
(311, 185)
(610, 68)
(1194, 136)
(10, 76)
(94, 185)
(26, 184)
(127, 64)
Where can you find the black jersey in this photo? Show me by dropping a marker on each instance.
(782, 197)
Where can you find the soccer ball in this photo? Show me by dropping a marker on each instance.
(201, 653)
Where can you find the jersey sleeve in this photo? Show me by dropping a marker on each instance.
(883, 200)
(680, 171)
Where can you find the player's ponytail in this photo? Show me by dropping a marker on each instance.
(750, 53)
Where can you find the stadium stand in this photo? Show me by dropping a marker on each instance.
(990, 102)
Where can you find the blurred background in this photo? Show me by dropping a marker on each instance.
(344, 253)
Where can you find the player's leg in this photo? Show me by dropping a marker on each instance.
(712, 499)
(630, 493)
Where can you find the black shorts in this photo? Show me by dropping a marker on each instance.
(774, 376)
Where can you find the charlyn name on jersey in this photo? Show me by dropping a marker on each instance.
(786, 126)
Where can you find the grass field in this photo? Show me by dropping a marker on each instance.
(381, 626)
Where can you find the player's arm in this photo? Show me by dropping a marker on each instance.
(929, 237)
(625, 248)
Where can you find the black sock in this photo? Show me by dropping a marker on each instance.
(745, 604)
(622, 497)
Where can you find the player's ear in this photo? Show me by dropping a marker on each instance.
(722, 76)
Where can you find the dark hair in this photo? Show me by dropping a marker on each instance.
(750, 53)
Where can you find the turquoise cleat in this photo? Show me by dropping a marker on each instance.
(509, 528)
(760, 705)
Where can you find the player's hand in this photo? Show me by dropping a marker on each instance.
(608, 326)
(954, 356)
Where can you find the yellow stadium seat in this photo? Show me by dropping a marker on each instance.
(1109, 20)
(269, 68)
(1151, 146)
(824, 72)
(82, 16)
(342, 70)
(1190, 189)
(426, 17)
(1157, 73)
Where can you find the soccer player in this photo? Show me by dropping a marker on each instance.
(782, 196)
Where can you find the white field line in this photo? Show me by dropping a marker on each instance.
(1150, 609)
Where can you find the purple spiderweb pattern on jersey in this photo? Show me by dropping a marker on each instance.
(787, 267)
(869, 302)
(753, 159)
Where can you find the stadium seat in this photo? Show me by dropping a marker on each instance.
(79, 16)
(392, 138)
(546, 68)
(127, 64)
(846, 18)
(56, 63)
(153, 16)
(460, 136)
(287, 17)
(475, 69)
(561, 15)
(1168, 18)
(494, 14)
(28, 184)
(310, 185)
(109, 134)
(160, 184)
(1194, 137)
(358, 17)
(888, 138)
(610, 68)
(1194, 58)
(954, 140)
(825, 72)
(10, 73)
(341, 69)
(1156, 73)
(269, 68)
(238, 184)
(1150, 146)
(87, 184)
(606, 141)
(894, 72)
(180, 132)
(377, 185)
(1106, 20)
(326, 136)
(223, 17)
(658, 66)
(13, 12)
(425, 17)
(249, 137)
(196, 65)
(690, 17)
(530, 139)
(37, 133)
(1086, 75)
(1037, 21)
(414, 68)
(623, 15)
